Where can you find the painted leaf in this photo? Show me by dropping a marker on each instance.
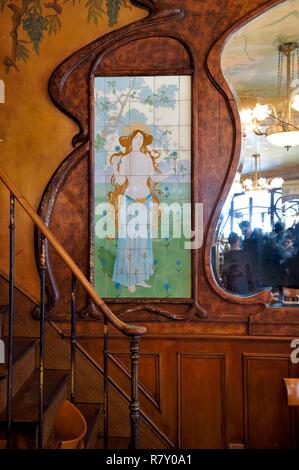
(34, 8)
(113, 8)
(54, 24)
(22, 51)
(95, 10)
(100, 142)
(2, 4)
(35, 25)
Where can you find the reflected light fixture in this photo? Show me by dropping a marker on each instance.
(255, 182)
(295, 99)
(277, 122)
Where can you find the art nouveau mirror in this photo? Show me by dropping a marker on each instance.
(256, 244)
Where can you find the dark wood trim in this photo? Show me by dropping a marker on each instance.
(45, 209)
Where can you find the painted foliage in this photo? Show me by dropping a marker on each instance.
(142, 142)
(32, 20)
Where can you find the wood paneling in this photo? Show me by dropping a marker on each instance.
(214, 390)
(119, 59)
(149, 372)
(201, 401)
(268, 422)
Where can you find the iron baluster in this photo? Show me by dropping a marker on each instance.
(73, 337)
(42, 341)
(11, 319)
(106, 383)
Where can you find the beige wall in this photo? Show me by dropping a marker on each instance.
(36, 135)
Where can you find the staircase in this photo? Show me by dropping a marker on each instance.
(32, 395)
(25, 408)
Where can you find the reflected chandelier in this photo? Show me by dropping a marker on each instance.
(277, 123)
(256, 182)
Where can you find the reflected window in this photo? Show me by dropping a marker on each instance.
(257, 238)
(2, 92)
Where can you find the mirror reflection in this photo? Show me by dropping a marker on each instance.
(256, 243)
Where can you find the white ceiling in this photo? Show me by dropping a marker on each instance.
(249, 64)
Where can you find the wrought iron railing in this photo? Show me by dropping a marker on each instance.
(133, 332)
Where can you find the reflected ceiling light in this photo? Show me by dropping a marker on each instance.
(255, 182)
(277, 123)
(295, 99)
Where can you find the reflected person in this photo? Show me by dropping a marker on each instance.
(252, 244)
(237, 272)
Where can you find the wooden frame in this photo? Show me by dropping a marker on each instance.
(183, 65)
(170, 34)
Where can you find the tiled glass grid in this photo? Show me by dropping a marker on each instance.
(163, 104)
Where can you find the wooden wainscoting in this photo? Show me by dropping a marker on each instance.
(200, 391)
(263, 389)
(202, 381)
(197, 390)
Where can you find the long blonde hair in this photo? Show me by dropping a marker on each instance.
(119, 189)
(126, 142)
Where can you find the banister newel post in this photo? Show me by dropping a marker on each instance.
(134, 405)
(106, 383)
(73, 336)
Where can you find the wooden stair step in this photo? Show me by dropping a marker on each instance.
(92, 413)
(3, 444)
(25, 403)
(23, 366)
(20, 348)
(25, 406)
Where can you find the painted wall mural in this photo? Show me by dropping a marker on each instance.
(33, 19)
(142, 157)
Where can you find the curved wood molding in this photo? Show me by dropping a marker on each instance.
(46, 209)
(76, 68)
(261, 319)
(179, 37)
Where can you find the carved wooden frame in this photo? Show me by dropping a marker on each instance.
(190, 307)
(265, 319)
(70, 87)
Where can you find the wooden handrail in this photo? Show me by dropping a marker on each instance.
(127, 329)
